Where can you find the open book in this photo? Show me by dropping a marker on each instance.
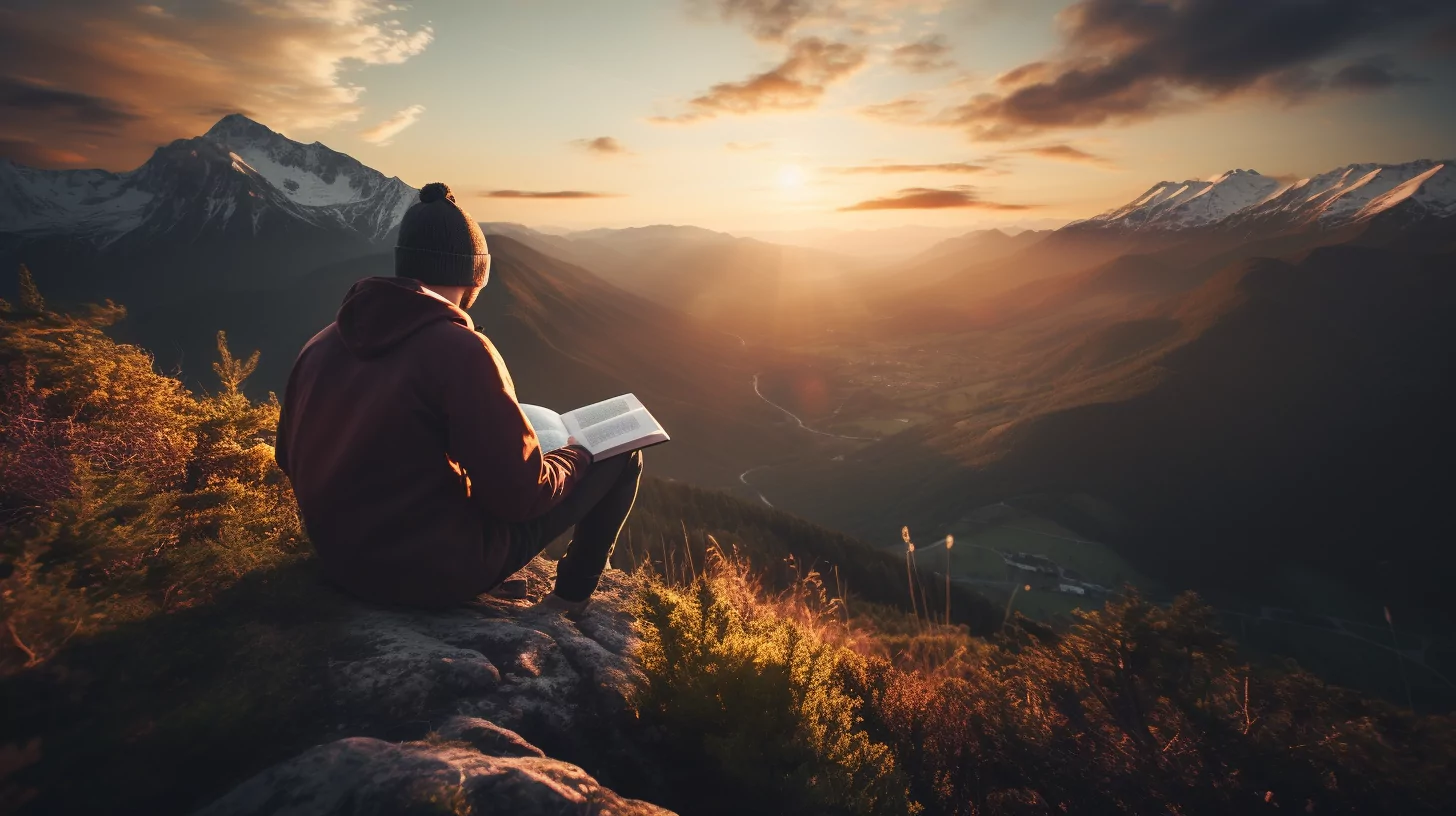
(606, 428)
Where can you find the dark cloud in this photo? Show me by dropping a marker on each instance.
(24, 97)
(1126, 60)
(546, 194)
(927, 198)
(891, 169)
(924, 55)
(602, 146)
(1372, 74)
(797, 83)
(27, 152)
(1066, 153)
(112, 80)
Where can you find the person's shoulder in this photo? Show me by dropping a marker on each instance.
(453, 338)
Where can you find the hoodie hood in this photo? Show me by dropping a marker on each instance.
(380, 313)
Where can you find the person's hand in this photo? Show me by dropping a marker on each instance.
(571, 440)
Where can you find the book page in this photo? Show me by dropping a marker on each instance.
(599, 412)
(627, 432)
(548, 426)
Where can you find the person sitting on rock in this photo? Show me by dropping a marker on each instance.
(418, 477)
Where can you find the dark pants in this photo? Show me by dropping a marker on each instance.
(597, 507)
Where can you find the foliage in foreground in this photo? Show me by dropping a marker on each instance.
(122, 494)
(1137, 709)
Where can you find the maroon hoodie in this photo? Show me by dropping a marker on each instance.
(408, 451)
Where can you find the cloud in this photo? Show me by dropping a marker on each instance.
(27, 97)
(1065, 153)
(546, 194)
(889, 169)
(928, 198)
(1372, 74)
(748, 147)
(25, 151)
(907, 110)
(602, 146)
(384, 132)
(797, 83)
(775, 20)
(113, 80)
(1129, 60)
(923, 56)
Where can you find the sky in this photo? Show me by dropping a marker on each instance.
(748, 115)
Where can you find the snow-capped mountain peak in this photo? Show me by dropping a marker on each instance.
(239, 178)
(1171, 205)
(1247, 202)
(1358, 192)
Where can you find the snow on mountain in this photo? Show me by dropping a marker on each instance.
(1247, 203)
(238, 179)
(1173, 205)
(1358, 192)
(314, 176)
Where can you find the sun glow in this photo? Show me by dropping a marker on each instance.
(791, 177)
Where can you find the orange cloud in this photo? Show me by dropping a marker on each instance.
(137, 75)
(888, 169)
(927, 198)
(923, 56)
(907, 110)
(25, 151)
(1065, 153)
(797, 83)
(602, 146)
(384, 132)
(567, 194)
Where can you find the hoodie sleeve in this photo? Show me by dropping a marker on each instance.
(510, 478)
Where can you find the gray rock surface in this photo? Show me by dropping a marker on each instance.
(474, 691)
(366, 776)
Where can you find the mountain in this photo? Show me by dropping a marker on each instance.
(745, 287)
(240, 179)
(1170, 205)
(1284, 419)
(236, 207)
(887, 245)
(568, 337)
(1244, 203)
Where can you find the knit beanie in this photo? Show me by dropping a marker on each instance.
(439, 243)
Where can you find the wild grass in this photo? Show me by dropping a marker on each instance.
(777, 700)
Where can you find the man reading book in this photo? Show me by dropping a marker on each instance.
(418, 477)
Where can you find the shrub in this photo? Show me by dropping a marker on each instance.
(750, 705)
(121, 493)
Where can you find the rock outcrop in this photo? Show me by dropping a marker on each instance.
(489, 708)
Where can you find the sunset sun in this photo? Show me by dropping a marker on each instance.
(791, 177)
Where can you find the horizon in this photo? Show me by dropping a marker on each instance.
(752, 117)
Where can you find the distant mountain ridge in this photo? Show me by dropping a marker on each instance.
(238, 180)
(1246, 200)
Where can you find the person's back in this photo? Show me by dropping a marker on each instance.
(418, 478)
